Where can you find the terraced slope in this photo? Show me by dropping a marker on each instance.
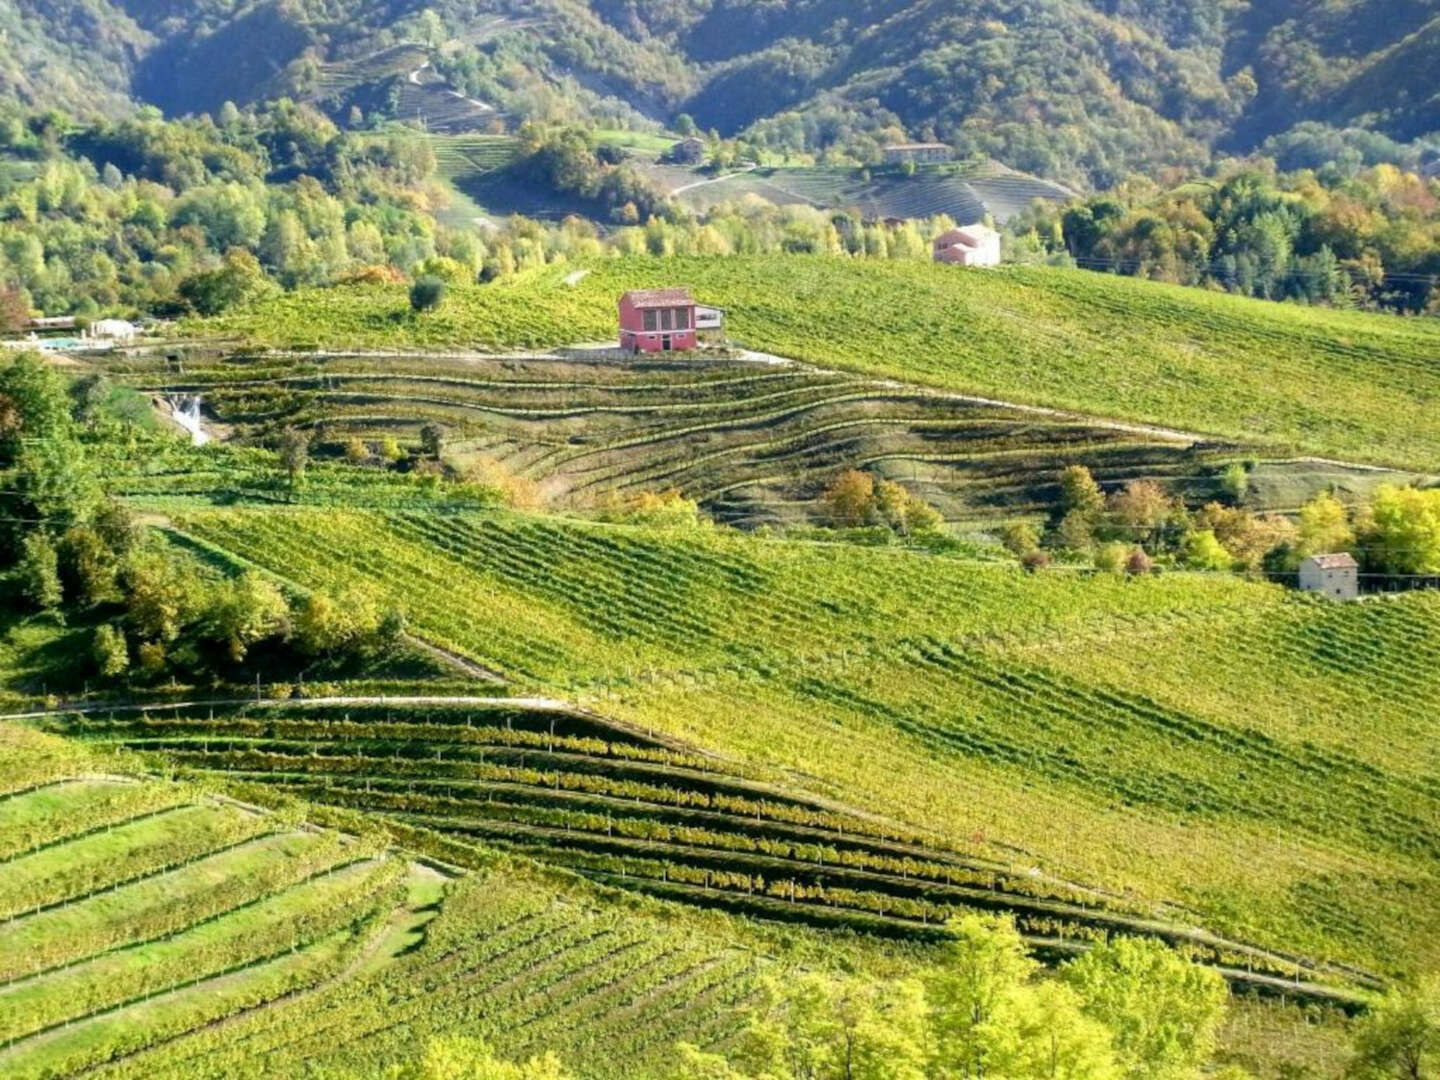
(966, 193)
(137, 912)
(153, 931)
(632, 812)
(977, 704)
(753, 442)
(1338, 384)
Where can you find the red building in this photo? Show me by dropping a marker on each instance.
(657, 320)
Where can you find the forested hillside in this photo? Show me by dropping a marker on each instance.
(1079, 92)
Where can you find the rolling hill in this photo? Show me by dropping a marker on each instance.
(995, 703)
(1336, 384)
(1076, 92)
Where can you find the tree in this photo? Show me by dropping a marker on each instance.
(1202, 551)
(356, 452)
(1324, 527)
(1400, 1038)
(239, 280)
(1075, 531)
(88, 564)
(1140, 509)
(851, 498)
(970, 993)
(39, 571)
(163, 594)
(426, 294)
(14, 311)
(1403, 531)
(34, 404)
(1080, 494)
(432, 440)
(244, 612)
(294, 451)
(327, 627)
(1235, 482)
(109, 651)
(1163, 1010)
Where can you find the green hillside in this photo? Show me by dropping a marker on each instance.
(973, 702)
(1338, 384)
(1082, 93)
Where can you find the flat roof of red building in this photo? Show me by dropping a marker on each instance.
(656, 298)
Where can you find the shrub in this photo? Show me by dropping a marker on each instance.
(1019, 538)
(1138, 563)
(1111, 558)
(109, 651)
(426, 294)
(1202, 551)
(39, 572)
(1034, 560)
(1235, 482)
(356, 452)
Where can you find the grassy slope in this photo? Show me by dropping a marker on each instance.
(1334, 383)
(973, 701)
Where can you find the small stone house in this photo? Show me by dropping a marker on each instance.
(689, 151)
(1335, 576)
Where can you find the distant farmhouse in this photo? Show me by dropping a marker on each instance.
(974, 245)
(921, 153)
(658, 320)
(1335, 576)
(112, 330)
(689, 151)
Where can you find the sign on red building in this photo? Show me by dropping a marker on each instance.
(657, 320)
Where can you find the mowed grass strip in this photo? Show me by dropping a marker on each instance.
(257, 934)
(157, 906)
(102, 860)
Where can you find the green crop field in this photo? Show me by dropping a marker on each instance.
(155, 930)
(1344, 385)
(979, 706)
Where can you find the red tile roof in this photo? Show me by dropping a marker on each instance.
(659, 298)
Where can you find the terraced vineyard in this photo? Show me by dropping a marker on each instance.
(753, 442)
(154, 931)
(1339, 384)
(636, 813)
(966, 194)
(976, 704)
